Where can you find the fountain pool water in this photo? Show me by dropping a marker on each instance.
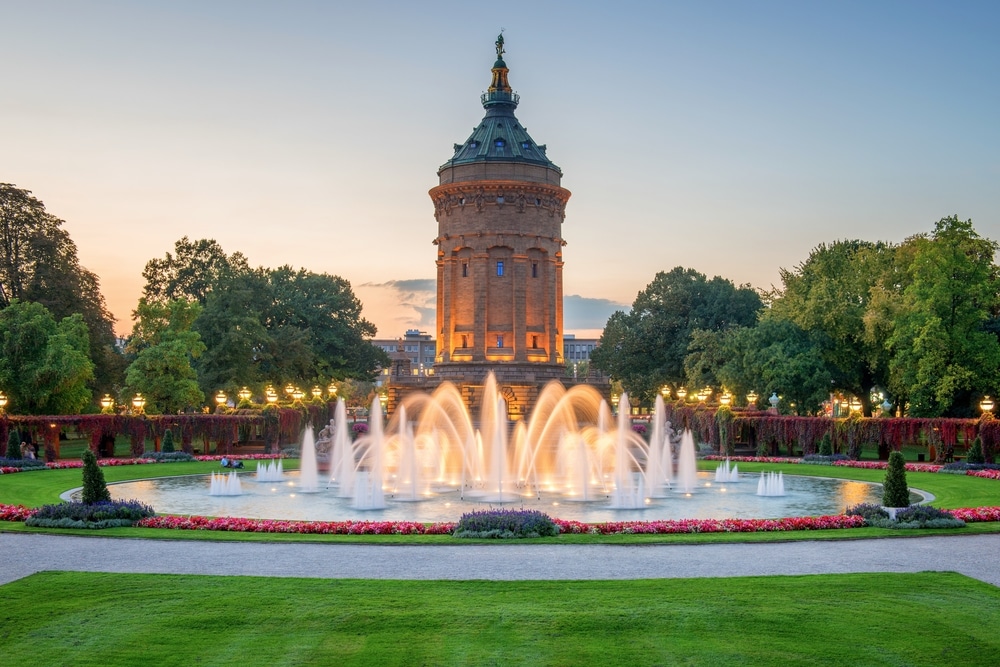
(432, 462)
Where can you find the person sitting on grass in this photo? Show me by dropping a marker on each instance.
(225, 462)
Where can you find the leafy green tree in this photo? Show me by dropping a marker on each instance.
(39, 263)
(44, 364)
(95, 489)
(192, 272)
(942, 352)
(975, 454)
(645, 348)
(828, 296)
(165, 347)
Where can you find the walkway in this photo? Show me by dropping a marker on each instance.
(24, 554)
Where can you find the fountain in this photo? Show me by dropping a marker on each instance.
(225, 485)
(571, 448)
(771, 484)
(725, 474)
(269, 472)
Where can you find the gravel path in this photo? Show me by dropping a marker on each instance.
(24, 554)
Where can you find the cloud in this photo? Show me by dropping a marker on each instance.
(584, 313)
(397, 305)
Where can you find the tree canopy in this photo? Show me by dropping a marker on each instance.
(44, 366)
(39, 263)
(646, 347)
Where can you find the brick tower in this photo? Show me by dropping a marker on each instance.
(500, 208)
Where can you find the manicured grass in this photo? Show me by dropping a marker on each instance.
(62, 618)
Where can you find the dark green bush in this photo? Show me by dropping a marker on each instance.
(108, 514)
(167, 446)
(825, 445)
(505, 524)
(13, 444)
(895, 492)
(869, 511)
(975, 455)
(95, 489)
(918, 516)
(167, 456)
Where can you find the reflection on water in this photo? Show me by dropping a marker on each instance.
(806, 496)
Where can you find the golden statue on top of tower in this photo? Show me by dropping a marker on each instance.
(500, 50)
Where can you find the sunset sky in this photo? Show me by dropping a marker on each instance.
(730, 137)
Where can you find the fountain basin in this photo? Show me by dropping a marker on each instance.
(805, 496)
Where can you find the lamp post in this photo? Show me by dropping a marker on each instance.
(138, 404)
(986, 405)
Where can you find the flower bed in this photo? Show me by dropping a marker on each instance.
(679, 526)
(299, 527)
(985, 474)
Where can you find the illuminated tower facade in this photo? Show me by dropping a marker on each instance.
(500, 208)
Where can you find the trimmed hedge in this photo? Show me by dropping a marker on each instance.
(104, 514)
(505, 524)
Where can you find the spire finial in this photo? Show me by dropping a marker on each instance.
(500, 50)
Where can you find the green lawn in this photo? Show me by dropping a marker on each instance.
(61, 618)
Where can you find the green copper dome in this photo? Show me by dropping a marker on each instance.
(500, 137)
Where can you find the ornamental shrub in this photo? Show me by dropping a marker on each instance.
(167, 446)
(105, 514)
(95, 489)
(975, 455)
(27, 464)
(895, 492)
(505, 524)
(826, 445)
(161, 457)
(870, 512)
(14, 445)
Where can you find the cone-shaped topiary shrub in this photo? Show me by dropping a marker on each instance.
(168, 442)
(95, 489)
(895, 493)
(825, 445)
(976, 452)
(14, 445)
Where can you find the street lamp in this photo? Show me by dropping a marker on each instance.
(297, 394)
(752, 399)
(986, 405)
(383, 399)
(107, 404)
(332, 390)
(317, 392)
(702, 396)
(138, 403)
(682, 393)
(271, 396)
(289, 388)
(245, 395)
(665, 392)
(726, 398)
(221, 398)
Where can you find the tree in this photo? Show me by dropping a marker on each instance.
(38, 262)
(95, 489)
(44, 364)
(165, 347)
(645, 348)
(895, 492)
(168, 442)
(828, 296)
(191, 272)
(942, 352)
(13, 444)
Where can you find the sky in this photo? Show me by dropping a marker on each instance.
(730, 137)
